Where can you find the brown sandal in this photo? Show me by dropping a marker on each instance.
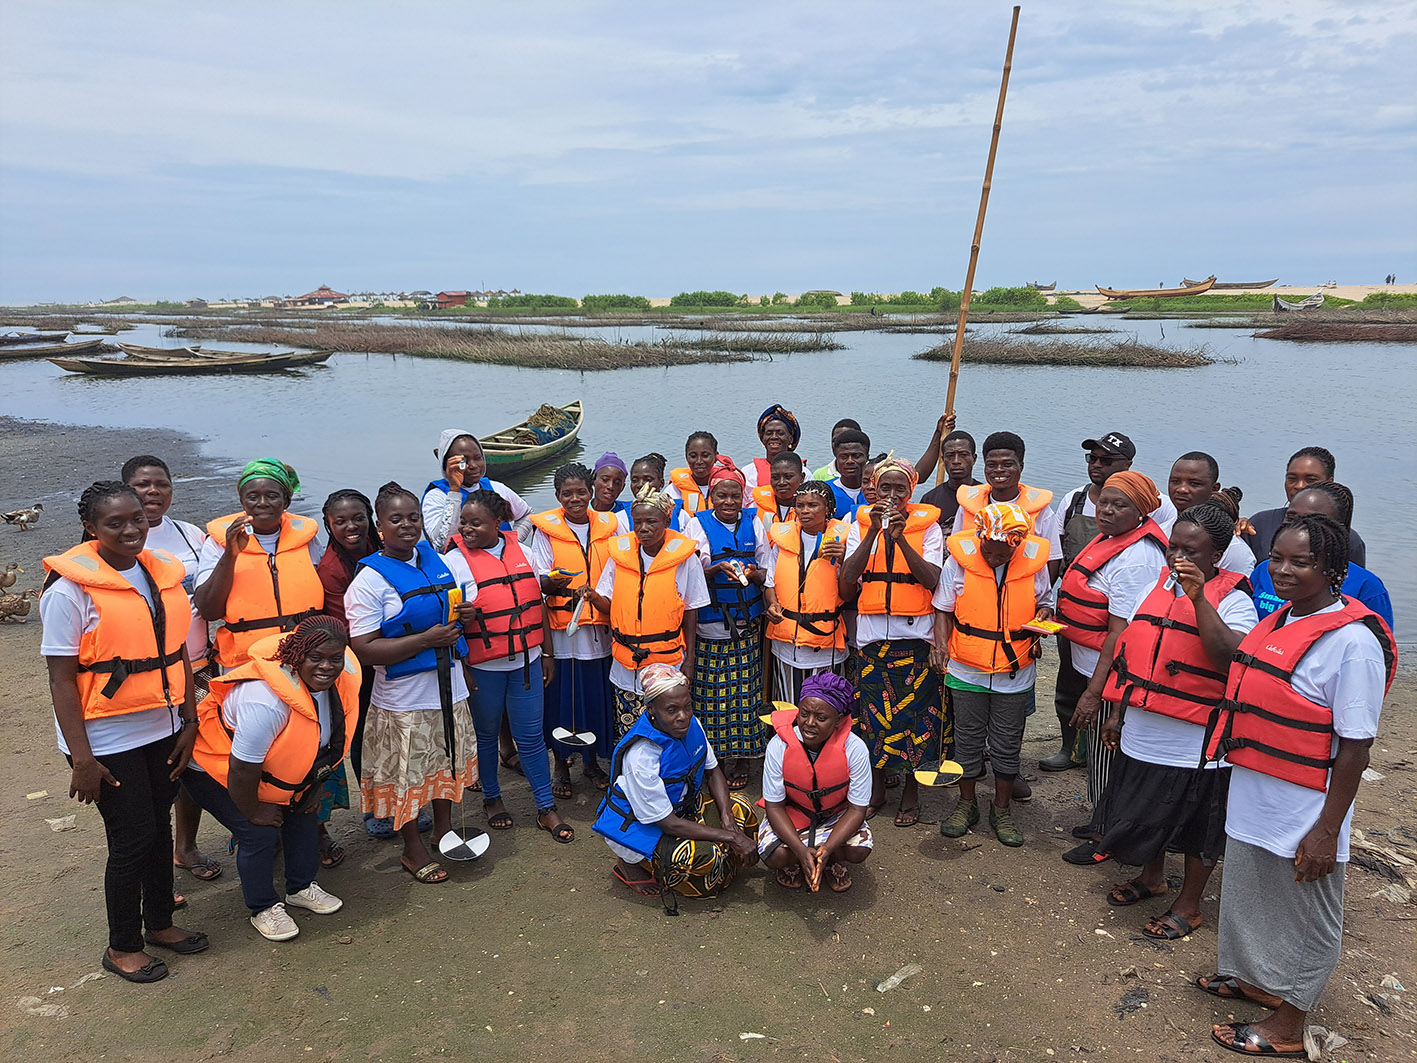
(840, 878)
(790, 878)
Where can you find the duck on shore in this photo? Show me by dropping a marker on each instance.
(23, 517)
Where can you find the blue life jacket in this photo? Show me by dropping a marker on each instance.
(845, 504)
(423, 586)
(447, 488)
(681, 766)
(733, 603)
(676, 515)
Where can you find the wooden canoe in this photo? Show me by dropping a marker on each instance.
(1231, 286)
(31, 337)
(48, 349)
(512, 449)
(246, 363)
(1313, 302)
(1042, 287)
(1157, 293)
(133, 350)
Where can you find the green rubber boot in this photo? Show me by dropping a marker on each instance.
(961, 818)
(1002, 820)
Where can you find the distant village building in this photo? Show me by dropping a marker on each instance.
(122, 300)
(321, 296)
(447, 299)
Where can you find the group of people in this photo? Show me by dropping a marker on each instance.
(826, 632)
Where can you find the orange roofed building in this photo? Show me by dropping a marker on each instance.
(321, 296)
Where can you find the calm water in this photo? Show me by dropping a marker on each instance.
(362, 420)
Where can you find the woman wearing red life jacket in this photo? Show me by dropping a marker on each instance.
(816, 785)
(1168, 672)
(1300, 713)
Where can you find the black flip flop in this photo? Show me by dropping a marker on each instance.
(155, 971)
(192, 943)
(1233, 990)
(563, 832)
(1134, 892)
(1086, 854)
(1256, 1044)
(1176, 927)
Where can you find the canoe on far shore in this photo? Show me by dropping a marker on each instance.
(1231, 286)
(245, 363)
(45, 350)
(550, 431)
(1157, 293)
(134, 350)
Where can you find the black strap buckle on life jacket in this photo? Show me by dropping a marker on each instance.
(1174, 668)
(1249, 660)
(635, 643)
(888, 577)
(808, 621)
(120, 668)
(286, 622)
(1229, 745)
(432, 588)
(1012, 635)
(1169, 623)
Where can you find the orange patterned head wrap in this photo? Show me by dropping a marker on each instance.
(1003, 522)
(890, 463)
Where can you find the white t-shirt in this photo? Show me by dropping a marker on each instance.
(212, 551)
(369, 601)
(644, 789)
(591, 642)
(67, 613)
(858, 760)
(1126, 580)
(497, 664)
(184, 541)
(879, 627)
(1344, 670)
(1164, 515)
(440, 513)
(761, 550)
(257, 716)
(805, 658)
(1165, 740)
(693, 592)
(951, 586)
(1238, 557)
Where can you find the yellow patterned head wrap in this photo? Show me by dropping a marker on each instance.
(649, 495)
(1003, 522)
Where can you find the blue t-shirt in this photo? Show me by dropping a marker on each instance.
(1360, 584)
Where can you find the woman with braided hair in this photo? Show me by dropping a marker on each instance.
(1168, 672)
(1331, 500)
(1301, 710)
(115, 625)
(269, 734)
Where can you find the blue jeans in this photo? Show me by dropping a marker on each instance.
(299, 836)
(499, 692)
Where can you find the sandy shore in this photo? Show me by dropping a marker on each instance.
(1090, 297)
(535, 954)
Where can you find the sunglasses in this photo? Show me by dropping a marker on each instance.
(1103, 459)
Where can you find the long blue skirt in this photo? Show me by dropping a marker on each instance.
(579, 699)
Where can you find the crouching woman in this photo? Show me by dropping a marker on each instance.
(268, 735)
(816, 785)
(653, 815)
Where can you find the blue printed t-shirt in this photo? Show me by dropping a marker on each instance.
(1360, 584)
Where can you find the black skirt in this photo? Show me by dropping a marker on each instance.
(1150, 809)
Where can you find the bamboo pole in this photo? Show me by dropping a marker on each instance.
(978, 236)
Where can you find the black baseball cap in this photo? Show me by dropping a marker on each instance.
(1113, 443)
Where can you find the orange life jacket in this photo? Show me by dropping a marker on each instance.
(294, 764)
(268, 593)
(132, 660)
(645, 609)
(1160, 663)
(1033, 500)
(508, 602)
(1080, 607)
(569, 555)
(887, 585)
(765, 500)
(816, 791)
(695, 497)
(808, 594)
(988, 617)
(1264, 724)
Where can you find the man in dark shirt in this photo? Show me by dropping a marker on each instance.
(958, 451)
(1308, 466)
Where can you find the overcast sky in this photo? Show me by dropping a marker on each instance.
(243, 149)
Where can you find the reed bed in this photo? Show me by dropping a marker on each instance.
(994, 350)
(539, 350)
(1044, 328)
(1340, 332)
(66, 323)
(761, 342)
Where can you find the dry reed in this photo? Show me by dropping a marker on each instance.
(1336, 332)
(993, 350)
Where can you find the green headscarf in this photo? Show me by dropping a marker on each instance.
(270, 469)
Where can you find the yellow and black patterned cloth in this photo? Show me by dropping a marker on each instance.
(728, 694)
(694, 868)
(898, 705)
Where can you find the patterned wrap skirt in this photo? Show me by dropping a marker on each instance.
(579, 699)
(898, 706)
(406, 765)
(628, 706)
(728, 694)
(696, 868)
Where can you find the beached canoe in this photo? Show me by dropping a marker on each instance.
(1313, 302)
(550, 431)
(1157, 293)
(48, 349)
(247, 363)
(133, 350)
(1042, 287)
(1231, 286)
(11, 338)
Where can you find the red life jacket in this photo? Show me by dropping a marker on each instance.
(1080, 607)
(508, 602)
(1264, 724)
(1160, 663)
(815, 792)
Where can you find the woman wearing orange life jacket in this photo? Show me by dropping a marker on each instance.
(1168, 673)
(257, 569)
(270, 733)
(510, 673)
(689, 483)
(802, 599)
(115, 621)
(1099, 591)
(894, 552)
(570, 542)
(816, 784)
(779, 432)
(1319, 667)
(652, 589)
(994, 582)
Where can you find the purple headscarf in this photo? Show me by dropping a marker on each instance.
(610, 460)
(831, 688)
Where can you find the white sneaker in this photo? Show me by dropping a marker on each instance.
(313, 898)
(275, 923)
